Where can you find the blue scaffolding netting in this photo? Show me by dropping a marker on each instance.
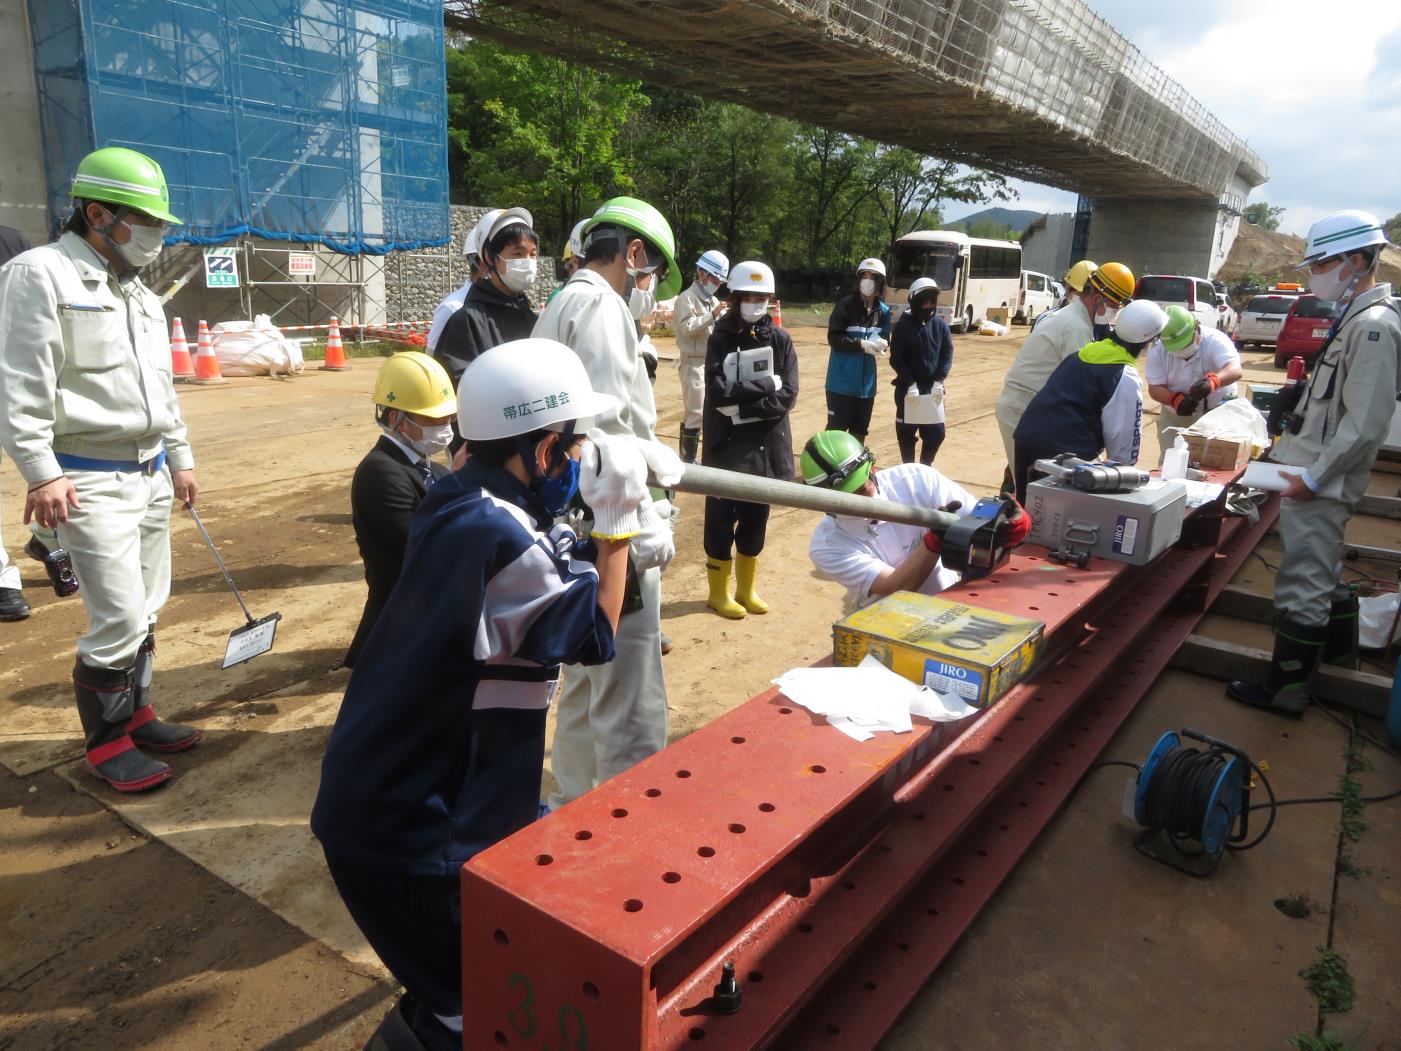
(294, 120)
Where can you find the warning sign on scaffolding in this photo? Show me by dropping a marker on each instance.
(221, 267)
(301, 264)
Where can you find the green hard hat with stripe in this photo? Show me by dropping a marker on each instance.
(646, 222)
(1180, 329)
(836, 460)
(117, 175)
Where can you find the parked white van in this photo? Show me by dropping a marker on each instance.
(1196, 294)
(1038, 294)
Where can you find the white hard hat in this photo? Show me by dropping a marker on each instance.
(475, 238)
(923, 284)
(872, 264)
(1341, 233)
(714, 263)
(500, 219)
(524, 385)
(575, 248)
(1142, 321)
(751, 276)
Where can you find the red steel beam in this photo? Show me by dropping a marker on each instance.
(771, 839)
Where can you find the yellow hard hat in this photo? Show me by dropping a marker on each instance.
(1078, 274)
(1115, 281)
(411, 381)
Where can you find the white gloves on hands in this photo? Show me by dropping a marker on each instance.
(665, 465)
(653, 544)
(875, 347)
(777, 381)
(613, 482)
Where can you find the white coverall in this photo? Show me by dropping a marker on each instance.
(9, 572)
(1347, 408)
(694, 322)
(611, 716)
(855, 552)
(1054, 337)
(85, 376)
(1179, 372)
(450, 305)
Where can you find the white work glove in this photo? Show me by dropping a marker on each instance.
(613, 482)
(937, 389)
(653, 545)
(668, 510)
(875, 347)
(665, 465)
(777, 381)
(647, 350)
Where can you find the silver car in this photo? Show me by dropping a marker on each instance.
(1262, 318)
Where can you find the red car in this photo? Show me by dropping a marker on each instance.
(1304, 329)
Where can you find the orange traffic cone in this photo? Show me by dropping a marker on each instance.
(180, 364)
(206, 362)
(335, 350)
(777, 312)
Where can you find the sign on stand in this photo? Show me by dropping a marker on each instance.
(221, 267)
(301, 264)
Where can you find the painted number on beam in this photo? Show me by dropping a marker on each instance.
(572, 1029)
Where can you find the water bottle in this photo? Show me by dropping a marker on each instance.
(1175, 460)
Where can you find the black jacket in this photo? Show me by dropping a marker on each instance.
(487, 319)
(763, 448)
(384, 494)
(920, 354)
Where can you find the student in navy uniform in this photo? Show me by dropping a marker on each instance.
(921, 354)
(746, 429)
(1093, 401)
(858, 332)
(414, 407)
(439, 745)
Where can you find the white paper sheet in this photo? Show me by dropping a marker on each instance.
(868, 699)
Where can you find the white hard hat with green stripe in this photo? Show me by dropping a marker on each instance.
(1342, 233)
(117, 175)
(642, 219)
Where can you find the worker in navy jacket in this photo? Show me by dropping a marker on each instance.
(1093, 401)
(858, 331)
(439, 745)
(921, 354)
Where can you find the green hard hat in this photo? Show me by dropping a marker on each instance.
(836, 460)
(645, 221)
(116, 175)
(1180, 329)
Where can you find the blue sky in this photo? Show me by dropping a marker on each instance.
(1314, 88)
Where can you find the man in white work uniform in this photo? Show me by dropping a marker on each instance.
(1190, 371)
(697, 309)
(611, 716)
(872, 559)
(91, 420)
(1333, 433)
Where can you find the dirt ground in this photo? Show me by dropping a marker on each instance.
(200, 915)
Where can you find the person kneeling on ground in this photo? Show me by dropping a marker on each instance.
(439, 745)
(414, 407)
(1190, 371)
(1092, 402)
(871, 558)
(751, 385)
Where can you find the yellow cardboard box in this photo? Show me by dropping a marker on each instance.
(976, 654)
(1217, 453)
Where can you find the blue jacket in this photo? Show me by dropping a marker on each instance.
(437, 750)
(1067, 416)
(850, 370)
(920, 354)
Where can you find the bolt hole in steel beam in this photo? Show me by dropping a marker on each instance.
(652, 793)
(785, 711)
(683, 774)
(805, 928)
(583, 834)
(500, 937)
(543, 859)
(870, 987)
(619, 812)
(500, 1038)
(755, 976)
(671, 877)
(767, 808)
(632, 905)
(591, 993)
(737, 828)
(697, 1034)
(736, 740)
(817, 768)
(848, 885)
(706, 852)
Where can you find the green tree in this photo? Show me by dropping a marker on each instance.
(1264, 216)
(912, 186)
(992, 230)
(834, 177)
(1392, 227)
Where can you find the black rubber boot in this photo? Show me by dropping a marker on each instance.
(1285, 690)
(146, 730)
(12, 605)
(105, 697)
(690, 444)
(394, 1032)
(1342, 648)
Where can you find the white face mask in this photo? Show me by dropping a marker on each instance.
(868, 286)
(144, 246)
(435, 438)
(520, 273)
(707, 289)
(1332, 285)
(1107, 316)
(641, 303)
(752, 312)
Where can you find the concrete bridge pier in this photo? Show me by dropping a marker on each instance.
(1158, 236)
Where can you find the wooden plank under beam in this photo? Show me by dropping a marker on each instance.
(1380, 506)
(1358, 690)
(1244, 605)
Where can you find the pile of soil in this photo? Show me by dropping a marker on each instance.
(1275, 254)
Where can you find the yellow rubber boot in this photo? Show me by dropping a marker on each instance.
(720, 601)
(746, 568)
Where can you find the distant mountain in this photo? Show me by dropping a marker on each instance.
(1017, 218)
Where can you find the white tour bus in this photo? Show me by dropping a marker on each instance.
(973, 274)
